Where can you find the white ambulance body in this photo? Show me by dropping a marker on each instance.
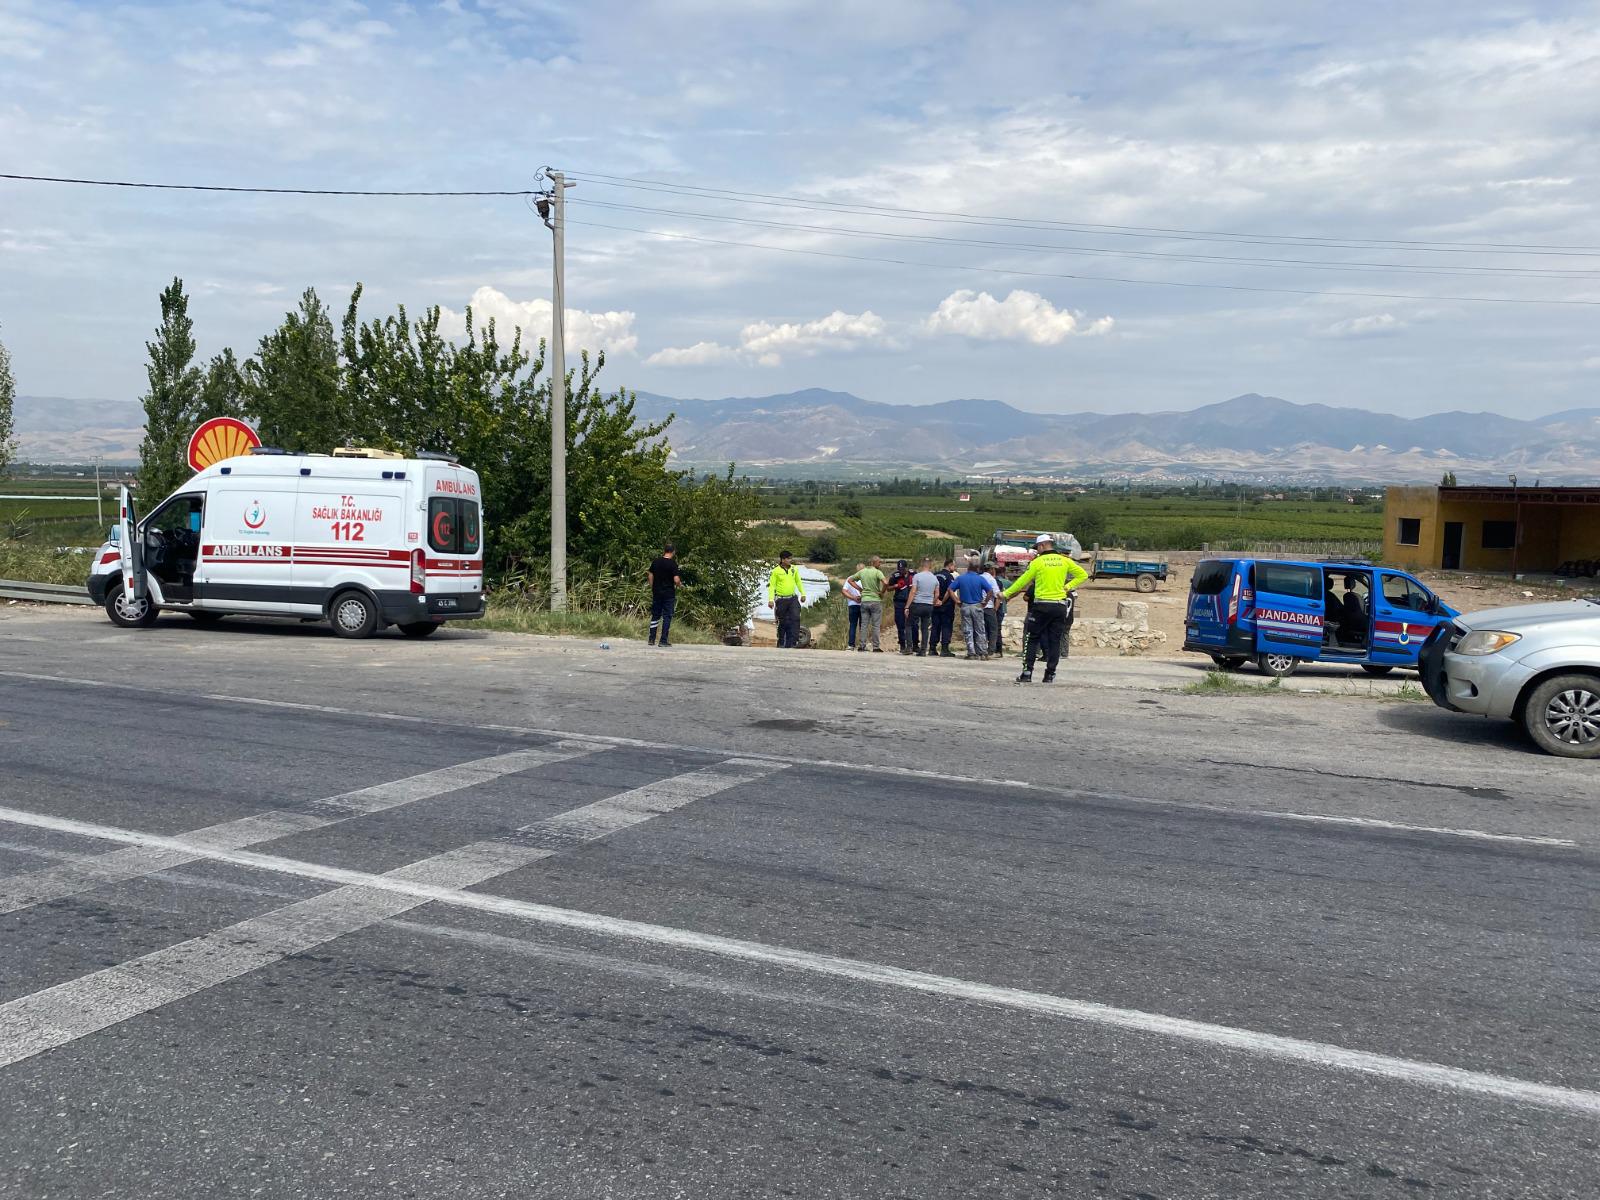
(358, 538)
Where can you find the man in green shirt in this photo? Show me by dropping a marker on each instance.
(871, 581)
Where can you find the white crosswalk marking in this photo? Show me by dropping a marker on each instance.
(72, 878)
(62, 1014)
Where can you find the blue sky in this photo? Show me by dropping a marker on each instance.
(1421, 122)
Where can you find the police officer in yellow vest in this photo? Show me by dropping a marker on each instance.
(786, 594)
(1052, 576)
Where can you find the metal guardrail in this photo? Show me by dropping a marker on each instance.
(44, 593)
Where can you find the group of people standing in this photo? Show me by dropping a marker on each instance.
(927, 604)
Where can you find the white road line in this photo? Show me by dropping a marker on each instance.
(66, 1015)
(85, 874)
(832, 764)
(68, 1011)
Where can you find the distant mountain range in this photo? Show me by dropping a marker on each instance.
(821, 433)
(1248, 437)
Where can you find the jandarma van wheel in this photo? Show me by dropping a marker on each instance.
(1278, 665)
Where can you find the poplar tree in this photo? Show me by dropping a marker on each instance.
(171, 401)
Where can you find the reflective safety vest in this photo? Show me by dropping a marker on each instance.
(1052, 575)
(783, 583)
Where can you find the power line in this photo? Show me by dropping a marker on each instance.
(1229, 260)
(266, 191)
(1226, 287)
(778, 200)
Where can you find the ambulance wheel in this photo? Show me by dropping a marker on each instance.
(1145, 582)
(419, 629)
(353, 615)
(1374, 669)
(129, 614)
(1279, 666)
(1228, 662)
(206, 618)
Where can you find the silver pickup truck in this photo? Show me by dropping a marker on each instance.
(1538, 664)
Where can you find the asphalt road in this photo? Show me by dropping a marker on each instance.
(286, 916)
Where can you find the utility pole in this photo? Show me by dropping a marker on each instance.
(553, 208)
(99, 492)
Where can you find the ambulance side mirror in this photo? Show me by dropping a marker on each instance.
(115, 536)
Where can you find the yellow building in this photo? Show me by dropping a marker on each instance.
(1491, 528)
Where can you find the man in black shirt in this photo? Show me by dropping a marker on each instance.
(664, 581)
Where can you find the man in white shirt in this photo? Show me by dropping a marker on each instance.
(852, 603)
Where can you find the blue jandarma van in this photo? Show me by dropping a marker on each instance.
(1280, 614)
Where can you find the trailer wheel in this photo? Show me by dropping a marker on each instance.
(129, 614)
(1146, 582)
(419, 629)
(1279, 666)
(353, 615)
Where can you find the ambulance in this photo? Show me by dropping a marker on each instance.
(362, 539)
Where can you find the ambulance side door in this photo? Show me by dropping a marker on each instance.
(244, 558)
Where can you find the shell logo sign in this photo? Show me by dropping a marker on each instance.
(220, 438)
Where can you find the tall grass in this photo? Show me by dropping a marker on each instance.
(42, 564)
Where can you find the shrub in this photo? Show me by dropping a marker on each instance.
(823, 548)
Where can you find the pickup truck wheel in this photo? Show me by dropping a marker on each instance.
(1145, 582)
(1279, 666)
(419, 629)
(127, 613)
(1374, 669)
(353, 615)
(1562, 716)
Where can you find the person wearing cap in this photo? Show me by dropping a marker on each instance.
(872, 582)
(785, 593)
(1053, 577)
(900, 591)
(944, 611)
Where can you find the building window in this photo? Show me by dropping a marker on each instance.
(1499, 535)
(1410, 533)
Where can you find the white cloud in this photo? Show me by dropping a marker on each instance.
(592, 331)
(766, 342)
(1370, 326)
(1020, 317)
(696, 355)
(1591, 364)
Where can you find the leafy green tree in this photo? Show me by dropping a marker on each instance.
(292, 387)
(8, 396)
(222, 389)
(1088, 526)
(1449, 479)
(171, 400)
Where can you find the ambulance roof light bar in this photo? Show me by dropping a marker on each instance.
(364, 452)
(267, 450)
(436, 456)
